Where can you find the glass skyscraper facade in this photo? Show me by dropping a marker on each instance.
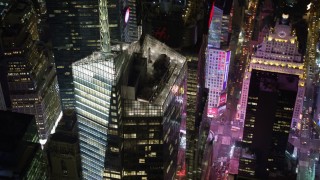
(75, 32)
(28, 76)
(113, 125)
(94, 81)
(74, 27)
(215, 25)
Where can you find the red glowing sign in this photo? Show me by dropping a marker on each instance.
(211, 15)
(161, 33)
(212, 112)
(223, 99)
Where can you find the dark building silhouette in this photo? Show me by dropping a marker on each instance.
(271, 101)
(63, 149)
(21, 156)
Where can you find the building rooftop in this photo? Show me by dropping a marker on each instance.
(153, 48)
(159, 83)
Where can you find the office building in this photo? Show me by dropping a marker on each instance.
(154, 109)
(271, 102)
(115, 129)
(28, 76)
(215, 24)
(63, 149)
(217, 69)
(195, 104)
(74, 27)
(75, 34)
(191, 126)
(132, 20)
(217, 60)
(21, 154)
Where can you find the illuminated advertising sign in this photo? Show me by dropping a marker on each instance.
(222, 99)
(211, 15)
(127, 15)
(226, 70)
(212, 112)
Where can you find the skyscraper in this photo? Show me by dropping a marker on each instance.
(97, 105)
(132, 21)
(28, 76)
(217, 63)
(195, 105)
(63, 149)
(154, 109)
(74, 27)
(215, 24)
(271, 102)
(145, 122)
(110, 109)
(75, 35)
(217, 69)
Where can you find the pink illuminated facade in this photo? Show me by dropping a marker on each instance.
(217, 69)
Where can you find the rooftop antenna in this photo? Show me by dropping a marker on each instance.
(104, 27)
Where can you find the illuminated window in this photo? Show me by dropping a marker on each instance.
(141, 161)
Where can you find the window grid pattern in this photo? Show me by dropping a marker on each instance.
(93, 85)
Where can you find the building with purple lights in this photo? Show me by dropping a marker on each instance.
(217, 69)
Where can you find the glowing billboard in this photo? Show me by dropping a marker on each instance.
(226, 70)
(212, 112)
(222, 99)
(127, 15)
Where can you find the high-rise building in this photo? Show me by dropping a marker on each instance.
(112, 105)
(217, 69)
(262, 23)
(271, 102)
(192, 133)
(74, 26)
(97, 105)
(154, 108)
(132, 20)
(63, 149)
(28, 76)
(75, 34)
(217, 60)
(143, 125)
(195, 104)
(21, 154)
(215, 24)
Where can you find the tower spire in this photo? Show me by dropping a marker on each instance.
(104, 26)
